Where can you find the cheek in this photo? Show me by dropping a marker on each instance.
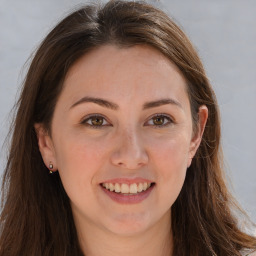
(171, 153)
(170, 158)
(79, 159)
(77, 150)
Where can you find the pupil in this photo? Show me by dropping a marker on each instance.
(97, 121)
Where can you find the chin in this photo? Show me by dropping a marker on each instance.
(129, 224)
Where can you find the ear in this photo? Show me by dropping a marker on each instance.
(46, 147)
(197, 136)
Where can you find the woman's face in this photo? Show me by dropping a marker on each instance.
(122, 138)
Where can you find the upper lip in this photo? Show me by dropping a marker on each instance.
(128, 181)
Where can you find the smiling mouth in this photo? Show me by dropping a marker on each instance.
(126, 189)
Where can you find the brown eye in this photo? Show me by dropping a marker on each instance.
(97, 121)
(159, 120)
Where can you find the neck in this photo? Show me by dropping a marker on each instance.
(156, 240)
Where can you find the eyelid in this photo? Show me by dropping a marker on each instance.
(167, 116)
(88, 117)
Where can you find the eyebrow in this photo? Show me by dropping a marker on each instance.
(101, 102)
(161, 102)
(114, 106)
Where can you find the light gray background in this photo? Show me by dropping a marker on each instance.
(224, 33)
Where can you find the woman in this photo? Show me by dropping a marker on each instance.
(115, 148)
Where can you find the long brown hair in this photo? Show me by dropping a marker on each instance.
(36, 217)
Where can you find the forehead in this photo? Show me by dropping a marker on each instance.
(138, 72)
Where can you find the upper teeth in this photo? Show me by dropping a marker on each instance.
(124, 188)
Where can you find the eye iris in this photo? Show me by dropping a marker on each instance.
(97, 121)
(158, 120)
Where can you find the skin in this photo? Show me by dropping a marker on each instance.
(130, 143)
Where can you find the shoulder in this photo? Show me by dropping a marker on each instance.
(252, 254)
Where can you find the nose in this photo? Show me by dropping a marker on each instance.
(129, 152)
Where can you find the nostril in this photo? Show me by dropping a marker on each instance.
(129, 155)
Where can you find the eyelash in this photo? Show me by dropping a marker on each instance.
(165, 116)
(90, 117)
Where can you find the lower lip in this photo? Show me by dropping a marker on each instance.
(128, 199)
